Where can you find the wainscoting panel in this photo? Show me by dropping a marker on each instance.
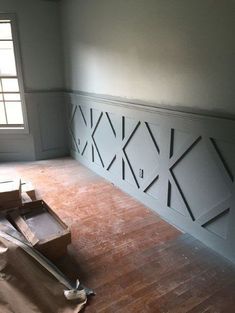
(16, 147)
(181, 165)
(47, 121)
(47, 136)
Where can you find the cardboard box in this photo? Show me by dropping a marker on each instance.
(42, 228)
(10, 194)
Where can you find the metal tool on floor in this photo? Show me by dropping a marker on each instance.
(75, 291)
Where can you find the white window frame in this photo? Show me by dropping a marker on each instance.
(15, 36)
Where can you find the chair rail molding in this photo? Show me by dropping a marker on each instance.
(180, 164)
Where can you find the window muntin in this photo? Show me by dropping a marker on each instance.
(11, 110)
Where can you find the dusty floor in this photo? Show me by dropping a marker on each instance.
(134, 261)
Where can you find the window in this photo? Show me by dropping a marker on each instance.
(12, 115)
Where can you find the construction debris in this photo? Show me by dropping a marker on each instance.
(36, 221)
(34, 227)
(27, 286)
(74, 291)
(42, 228)
(28, 188)
(10, 194)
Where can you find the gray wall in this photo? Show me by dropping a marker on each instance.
(181, 165)
(172, 53)
(42, 64)
(174, 57)
(167, 54)
(40, 42)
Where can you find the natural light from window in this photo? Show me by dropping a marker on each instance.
(11, 115)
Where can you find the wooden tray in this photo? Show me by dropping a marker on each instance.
(42, 227)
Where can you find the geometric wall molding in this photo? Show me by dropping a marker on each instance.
(219, 224)
(182, 166)
(211, 185)
(139, 145)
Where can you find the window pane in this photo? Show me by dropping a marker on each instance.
(14, 112)
(10, 84)
(7, 59)
(2, 114)
(11, 97)
(5, 31)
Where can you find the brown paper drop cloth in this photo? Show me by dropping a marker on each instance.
(26, 287)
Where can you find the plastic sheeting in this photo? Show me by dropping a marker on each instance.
(26, 287)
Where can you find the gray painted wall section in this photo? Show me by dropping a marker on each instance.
(40, 42)
(181, 165)
(42, 64)
(47, 137)
(48, 124)
(171, 53)
(16, 147)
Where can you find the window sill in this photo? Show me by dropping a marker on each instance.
(14, 130)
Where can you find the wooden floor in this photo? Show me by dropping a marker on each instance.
(135, 261)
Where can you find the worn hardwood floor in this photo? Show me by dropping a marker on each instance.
(135, 261)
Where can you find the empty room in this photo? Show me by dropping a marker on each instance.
(117, 156)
